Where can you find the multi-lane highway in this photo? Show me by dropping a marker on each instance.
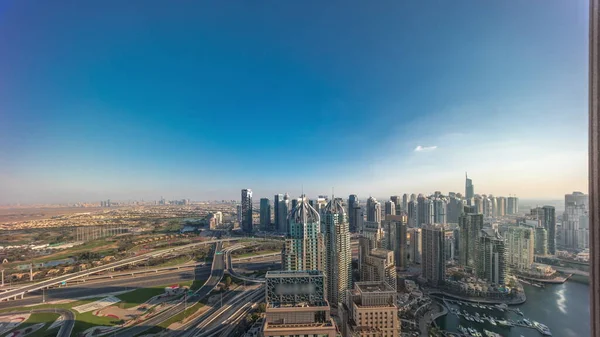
(209, 323)
(217, 271)
(20, 292)
(100, 287)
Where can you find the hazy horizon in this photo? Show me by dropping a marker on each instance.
(137, 99)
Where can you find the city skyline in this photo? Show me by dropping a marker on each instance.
(199, 100)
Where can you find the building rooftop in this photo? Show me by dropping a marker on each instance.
(373, 287)
(380, 252)
(293, 273)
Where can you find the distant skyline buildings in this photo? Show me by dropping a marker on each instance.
(373, 210)
(265, 214)
(246, 202)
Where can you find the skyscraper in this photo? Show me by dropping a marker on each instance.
(246, 223)
(282, 210)
(304, 247)
(439, 210)
(470, 226)
(574, 235)
(394, 227)
(429, 211)
(454, 209)
(433, 259)
(421, 211)
(238, 214)
(412, 213)
(277, 199)
(512, 205)
(501, 206)
(492, 264)
(541, 241)
(373, 210)
(397, 203)
(547, 218)
(352, 202)
(297, 305)
(338, 251)
(521, 246)
(469, 189)
(405, 202)
(416, 247)
(390, 208)
(265, 214)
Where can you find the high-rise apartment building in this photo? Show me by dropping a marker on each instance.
(575, 221)
(469, 188)
(405, 202)
(478, 204)
(501, 201)
(373, 210)
(470, 226)
(246, 223)
(304, 247)
(277, 199)
(397, 203)
(541, 241)
(422, 211)
(491, 263)
(394, 227)
(412, 214)
(371, 311)
(440, 205)
(433, 259)
(265, 214)
(238, 213)
(390, 208)
(449, 245)
(338, 251)
(547, 218)
(374, 233)
(454, 209)
(297, 305)
(512, 205)
(352, 203)
(416, 246)
(521, 247)
(376, 264)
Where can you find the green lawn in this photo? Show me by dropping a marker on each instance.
(88, 319)
(47, 318)
(139, 296)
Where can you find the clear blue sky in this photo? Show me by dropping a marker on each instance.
(195, 99)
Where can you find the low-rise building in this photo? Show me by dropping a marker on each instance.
(371, 311)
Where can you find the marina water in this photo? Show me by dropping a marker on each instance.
(564, 308)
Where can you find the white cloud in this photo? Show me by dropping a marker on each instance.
(425, 148)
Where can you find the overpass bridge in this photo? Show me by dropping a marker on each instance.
(21, 291)
(229, 264)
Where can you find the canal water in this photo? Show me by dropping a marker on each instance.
(564, 308)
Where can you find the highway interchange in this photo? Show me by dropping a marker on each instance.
(235, 304)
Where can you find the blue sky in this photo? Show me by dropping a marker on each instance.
(138, 99)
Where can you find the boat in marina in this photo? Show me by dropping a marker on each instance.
(505, 323)
(492, 321)
(491, 333)
(542, 328)
(462, 330)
